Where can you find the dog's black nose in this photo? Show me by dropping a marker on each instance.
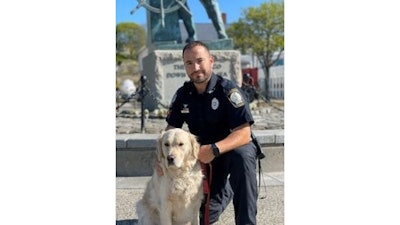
(170, 159)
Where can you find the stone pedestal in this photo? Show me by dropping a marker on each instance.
(165, 73)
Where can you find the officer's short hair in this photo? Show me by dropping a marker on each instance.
(192, 44)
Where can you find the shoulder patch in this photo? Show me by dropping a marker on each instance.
(236, 98)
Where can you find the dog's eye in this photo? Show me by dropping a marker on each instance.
(166, 144)
(180, 144)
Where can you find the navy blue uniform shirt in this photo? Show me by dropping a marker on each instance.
(212, 115)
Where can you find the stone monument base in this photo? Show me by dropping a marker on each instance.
(165, 73)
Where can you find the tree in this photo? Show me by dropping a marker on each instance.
(130, 37)
(261, 32)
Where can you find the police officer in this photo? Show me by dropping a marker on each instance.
(216, 112)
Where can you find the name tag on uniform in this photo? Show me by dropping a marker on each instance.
(185, 109)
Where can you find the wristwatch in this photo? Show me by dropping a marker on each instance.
(215, 150)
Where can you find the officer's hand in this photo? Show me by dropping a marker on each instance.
(206, 154)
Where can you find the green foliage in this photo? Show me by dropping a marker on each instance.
(120, 57)
(260, 32)
(130, 37)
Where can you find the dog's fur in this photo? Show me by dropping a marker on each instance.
(175, 197)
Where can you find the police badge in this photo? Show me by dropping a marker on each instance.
(214, 103)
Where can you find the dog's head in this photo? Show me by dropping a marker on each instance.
(177, 148)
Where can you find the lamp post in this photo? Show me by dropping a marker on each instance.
(142, 93)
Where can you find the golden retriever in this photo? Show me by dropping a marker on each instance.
(175, 197)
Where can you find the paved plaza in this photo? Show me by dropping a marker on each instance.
(270, 203)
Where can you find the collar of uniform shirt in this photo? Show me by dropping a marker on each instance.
(210, 86)
(212, 83)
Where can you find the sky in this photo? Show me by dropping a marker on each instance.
(233, 10)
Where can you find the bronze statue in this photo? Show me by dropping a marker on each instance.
(213, 12)
(186, 16)
(164, 15)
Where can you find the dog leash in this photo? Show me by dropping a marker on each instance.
(207, 172)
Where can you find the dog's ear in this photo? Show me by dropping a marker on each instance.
(159, 152)
(195, 146)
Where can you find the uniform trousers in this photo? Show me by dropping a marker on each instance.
(234, 176)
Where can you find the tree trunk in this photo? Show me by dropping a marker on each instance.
(266, 71)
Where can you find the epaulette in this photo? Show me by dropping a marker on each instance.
(226, 85)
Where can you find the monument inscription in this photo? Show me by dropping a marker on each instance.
(165, 73)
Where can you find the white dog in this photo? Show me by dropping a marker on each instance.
(175, 197)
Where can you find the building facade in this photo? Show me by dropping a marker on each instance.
(276, 78)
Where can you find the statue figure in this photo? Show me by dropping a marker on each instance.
(214, 14)
(186, 16)
(163, 19)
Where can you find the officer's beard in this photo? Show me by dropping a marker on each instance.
(199, 77)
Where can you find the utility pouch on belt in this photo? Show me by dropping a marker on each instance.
(260, 154)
